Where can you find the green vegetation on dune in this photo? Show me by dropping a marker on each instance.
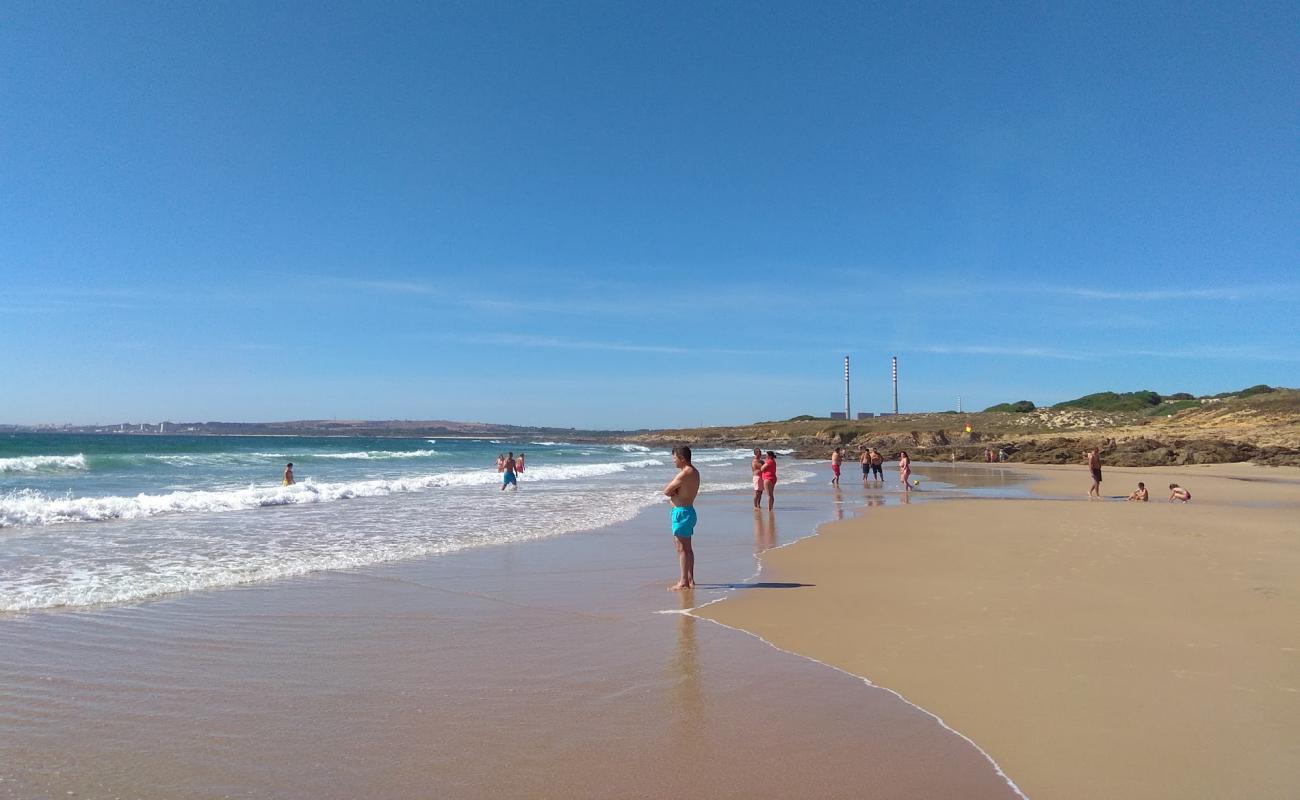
(1114, 401)
(1018, 407)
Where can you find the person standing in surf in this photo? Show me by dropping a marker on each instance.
(508, 469)
(837, 459)
(905, 469)
(288, 474)
(877, 465)
(681, 492)
(756, 469)
(768, 474)
(519, 466)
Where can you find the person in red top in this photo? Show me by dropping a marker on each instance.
(768, 474)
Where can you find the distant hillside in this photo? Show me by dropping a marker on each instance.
(1018, 407)
(1253, 425)
(1115, 401)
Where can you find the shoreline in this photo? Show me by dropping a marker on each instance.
(533, 669)
(922, 599)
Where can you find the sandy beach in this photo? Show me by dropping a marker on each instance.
(1093, 649)
(548, 668)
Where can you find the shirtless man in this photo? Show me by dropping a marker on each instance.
(837, 458)
(877, 464)
(1140, 494)
(756, 467)
(1094, 466)
(288, 474)
(865, 458)
(681, 492)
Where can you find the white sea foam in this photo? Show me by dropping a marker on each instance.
(633, 448)
(554, 444)
(42, 463)
(155, 556)
(376, 455)
(31, 507)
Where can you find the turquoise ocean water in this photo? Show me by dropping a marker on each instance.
(103, 519)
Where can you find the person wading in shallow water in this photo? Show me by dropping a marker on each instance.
(768, 474)
(288, 474)
(1094, 466)
(681, 492)
(837, 459)
(756, 468)
(508, 468)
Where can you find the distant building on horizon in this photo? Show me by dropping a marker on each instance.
(839, 415)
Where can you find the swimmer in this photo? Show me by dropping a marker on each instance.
(288, 474)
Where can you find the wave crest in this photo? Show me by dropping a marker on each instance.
(42, 463)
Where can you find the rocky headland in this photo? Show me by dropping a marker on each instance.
(1261, 428)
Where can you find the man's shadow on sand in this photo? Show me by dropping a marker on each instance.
(764, 585)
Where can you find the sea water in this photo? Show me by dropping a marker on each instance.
(104, 519)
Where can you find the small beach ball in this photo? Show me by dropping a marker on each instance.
(916, 482)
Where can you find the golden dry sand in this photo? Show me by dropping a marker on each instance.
(1093, 649)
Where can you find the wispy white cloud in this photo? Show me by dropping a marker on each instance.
(1002, 350)
(1222, 293)
(1243, 353)
(528, 340)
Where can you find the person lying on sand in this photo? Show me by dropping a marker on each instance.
(1140, 494)
(1177, 492)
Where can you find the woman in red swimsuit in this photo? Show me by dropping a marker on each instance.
(768, 474)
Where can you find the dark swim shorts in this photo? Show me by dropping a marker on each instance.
(1096, 475)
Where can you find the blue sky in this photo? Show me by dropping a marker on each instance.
(639, 214)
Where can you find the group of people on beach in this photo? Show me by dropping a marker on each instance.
(872, 466)
(510, 469)
(1140, 495)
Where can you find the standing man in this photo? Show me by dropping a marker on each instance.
(877, 465)
(508, 467)
(681, 492)
(1094, 466)
(837, 458)
(865, 458)
(756, 467)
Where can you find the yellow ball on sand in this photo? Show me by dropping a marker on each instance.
(916, 481)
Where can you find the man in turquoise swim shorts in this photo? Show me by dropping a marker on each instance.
(681, 492)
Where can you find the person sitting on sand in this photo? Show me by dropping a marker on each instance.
(1177, 492)
(837, 458)
(681, 492)
(288, 474)
(1140, 494)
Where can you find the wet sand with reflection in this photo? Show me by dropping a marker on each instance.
(539, 669)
